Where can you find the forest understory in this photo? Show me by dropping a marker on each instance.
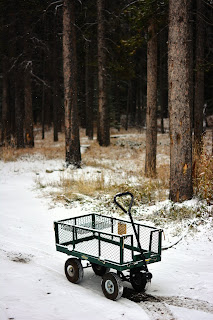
(106, 171)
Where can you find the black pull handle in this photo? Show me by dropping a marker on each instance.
(132, 222)
(122, 195)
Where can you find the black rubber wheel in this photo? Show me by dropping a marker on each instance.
(138, 281)
(74, 270)
(112, 286)
(99, 270)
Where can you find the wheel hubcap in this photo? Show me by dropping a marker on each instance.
(70, 271)
(109, 286)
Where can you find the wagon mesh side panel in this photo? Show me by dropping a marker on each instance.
(88, 241)
(143, 231)
(88, 247)
(110, 251)
(103, 223)
(155, 241)
(64, 234)
(84, 221)
(127, 252)
(144, 236)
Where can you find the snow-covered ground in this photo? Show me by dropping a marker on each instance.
(32, 281)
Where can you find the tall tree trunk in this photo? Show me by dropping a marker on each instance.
(12, 33)
(19, 104)
(117, 104)
(5, 103)
(29, 137)
(138, 107)
(72, 141)
(199, 78)
(48, 97)
(179, 83)
(103, 113)
(163, 79)
(151, 112)
(42, 112)
(55, 85)
(28, 107)
(128, 104)
(89, 91)
(81, 96)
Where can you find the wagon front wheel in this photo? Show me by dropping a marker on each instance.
(99, 270)
(74, 270)
(112, 286)
(138, 281)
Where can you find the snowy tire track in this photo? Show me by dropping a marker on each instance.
(157, 307)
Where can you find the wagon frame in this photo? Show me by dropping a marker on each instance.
(107, 242)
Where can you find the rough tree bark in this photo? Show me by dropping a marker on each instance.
(43, 101)
(128, 104)
(5, 103)
(117, 104)
(72, 141)
(89, 91)
(199, 78)
(103, 113)
(19, 104)
(151, 113)
(56, 95)
(28, 107)
(163, 79)
(28, 119)
(179, 82)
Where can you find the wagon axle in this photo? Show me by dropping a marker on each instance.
(112, 283)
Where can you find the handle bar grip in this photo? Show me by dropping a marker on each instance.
(121, 195)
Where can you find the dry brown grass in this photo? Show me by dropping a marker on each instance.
(123, 162)
(203, 177)
(12, 154)
(124, 157)
(46, 147)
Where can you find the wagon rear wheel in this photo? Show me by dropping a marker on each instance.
(138, 281)
(74, 270)
(99, 270)
(112, 286)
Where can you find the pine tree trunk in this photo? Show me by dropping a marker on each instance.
(43, 112)
(163, 79)
(103, 113)
(12, 32)
(81, 96)
(55, 85)
(89, 91)
(48, 98)
(19, 106)
(199, 78)
(5, 104)
(28, 108)
(179, 83)
(117, 104)
(72, 141)
(29, 137)
(128, 104)
(151, 112)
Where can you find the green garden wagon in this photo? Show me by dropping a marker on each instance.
(109, 243)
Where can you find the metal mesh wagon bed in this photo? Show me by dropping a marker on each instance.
(107, 240)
